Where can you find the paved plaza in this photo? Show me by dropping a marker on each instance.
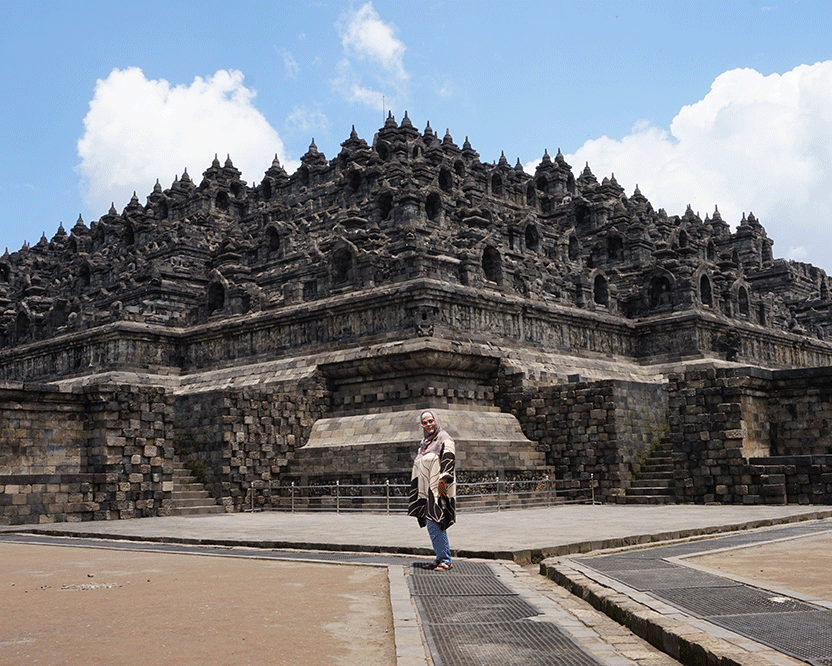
(497, 588)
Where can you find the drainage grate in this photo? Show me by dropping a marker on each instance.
(450, 584)
(467, 610)
(787, 625)
(806, 635)
(707, 602)
(461, 568)
(741, 539)
(669, 578)
(523, 643)
(625, 563)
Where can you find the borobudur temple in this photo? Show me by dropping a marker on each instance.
(289, 330)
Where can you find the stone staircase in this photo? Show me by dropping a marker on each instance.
(189, 496)
(653, 483)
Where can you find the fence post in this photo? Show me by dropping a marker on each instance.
(498, 493)
(592, 486)
(548, 491)
(387, 484)
(337, 497)
(292, 495)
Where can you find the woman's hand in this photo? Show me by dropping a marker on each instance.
(443, 488)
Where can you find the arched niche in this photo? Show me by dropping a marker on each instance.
(341, 267)
(385, 205)
(446, 180)
(659, 291)
(492, 264)
(600, 291)
(272, 240)
(216, 297)
(743, 303)
(615, 248)
(497, 185)
(21, 325)
(433, 206)
(84, 276)
(574, 248)
(705, 291)
(532, 237)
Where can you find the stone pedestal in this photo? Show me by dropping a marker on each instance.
(375, 447)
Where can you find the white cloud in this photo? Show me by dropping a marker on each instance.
(138, 130)
(371, 50)
(446, 90)
(303, 120)
(754, 143)
(290, 65)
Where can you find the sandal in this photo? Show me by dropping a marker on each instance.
(430, 566)
(443, 566)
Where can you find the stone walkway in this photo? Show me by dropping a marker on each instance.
(511, 540)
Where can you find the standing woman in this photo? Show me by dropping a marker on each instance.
(433, 488)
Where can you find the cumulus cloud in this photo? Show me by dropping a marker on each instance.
(754, 143)
(371, 51)
(138, 130)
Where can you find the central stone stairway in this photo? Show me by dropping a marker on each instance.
(653, 483)
(189, 495)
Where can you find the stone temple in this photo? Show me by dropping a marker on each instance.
(290, 330)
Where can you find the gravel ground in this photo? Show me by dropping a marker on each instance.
(800, 565)
(92, 606)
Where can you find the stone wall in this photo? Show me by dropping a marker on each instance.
(801, 412)
(239, 443)
(42, 456)
(41, 431)
(745, 435)
(591, 431)
(129, 440)
(91, 454)
(738, 435)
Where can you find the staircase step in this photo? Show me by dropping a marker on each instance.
(647, 499)
(190, 492)
(653, 482)
(198, 510)
(189, 496)
(195, 487)
(649, 490)
(191, 502)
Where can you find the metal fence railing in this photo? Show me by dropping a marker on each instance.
(496, 495)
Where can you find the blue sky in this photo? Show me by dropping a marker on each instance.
(725, 103)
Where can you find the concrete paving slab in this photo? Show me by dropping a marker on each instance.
(513, 534)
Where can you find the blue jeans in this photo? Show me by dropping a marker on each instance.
(439, 539)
